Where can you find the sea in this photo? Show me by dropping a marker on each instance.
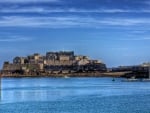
(74, 95)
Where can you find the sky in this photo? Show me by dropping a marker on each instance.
(116, 32)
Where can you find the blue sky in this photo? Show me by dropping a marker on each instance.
(114, 31)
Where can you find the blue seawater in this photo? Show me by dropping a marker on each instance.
(74, 95)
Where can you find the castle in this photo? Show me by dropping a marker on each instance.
(63, 62)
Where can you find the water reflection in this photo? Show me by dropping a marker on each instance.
(50, 89)
(0, 87)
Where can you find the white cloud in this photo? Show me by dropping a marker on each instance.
(119, 48)
(14, 39)
(146, 2)
(68, 10)
(139, 32)
(26, 1)
(41, 9)
(70, 21)
(135, 39)
(128, 21)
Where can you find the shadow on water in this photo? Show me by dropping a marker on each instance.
(0, 87)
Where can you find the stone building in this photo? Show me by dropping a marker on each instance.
(54, 62)
(20, 60)
(36, 59)
(77, 58)
(83, 62)
(59, 58)
(11, 67)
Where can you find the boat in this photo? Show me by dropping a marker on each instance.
(113, 79)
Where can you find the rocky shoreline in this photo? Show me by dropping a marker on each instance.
(98, 74)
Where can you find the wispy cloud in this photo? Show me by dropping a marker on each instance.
(70, 21)
(68, 10)
(135, 39)
(26, 1)
(15, 39)
(119, 48)
(146, 2)
(139, 32)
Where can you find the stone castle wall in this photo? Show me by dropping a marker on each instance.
(54, 61)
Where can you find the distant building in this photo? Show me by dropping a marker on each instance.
(136, 71)
(146, 64)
